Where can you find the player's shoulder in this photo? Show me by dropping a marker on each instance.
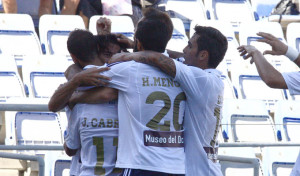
(120, 64)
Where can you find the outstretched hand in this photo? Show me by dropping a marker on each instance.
(91, 77)
(247, 51)
(278, 47)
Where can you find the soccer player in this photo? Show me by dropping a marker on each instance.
(150, 107)
(203, 87)
(93, 128)
(272, 77)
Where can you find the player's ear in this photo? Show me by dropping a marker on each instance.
(204, 55)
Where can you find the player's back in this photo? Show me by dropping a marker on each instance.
(151, 107)
(98, 130)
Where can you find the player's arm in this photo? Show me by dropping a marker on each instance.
(69, 152)
(155, 59)
(266, 71)
(62, 95)
(174, 54)
(96, 95)
(279, 48)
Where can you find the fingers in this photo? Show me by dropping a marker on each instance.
(264, 40)
(266, 35)
(269, 52)
(243, 51)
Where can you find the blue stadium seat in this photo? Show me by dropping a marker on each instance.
(18, 37)
(43, 75)
(246, 120)
(293, 35)
(233, 11)
(287, 120)
(179, 39)
(12, 85)
(54, 31)
(57, 164)
(247, 36)
(249, 85)
(187, 11)
(231, 168)
(229, 90)
(279, 161)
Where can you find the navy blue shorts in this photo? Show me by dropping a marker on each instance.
(139, 172)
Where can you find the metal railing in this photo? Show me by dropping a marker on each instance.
(28, 104)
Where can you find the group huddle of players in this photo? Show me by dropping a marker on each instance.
(151, 115)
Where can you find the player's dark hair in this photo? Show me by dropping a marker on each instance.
(155, 30)
(103, 41)
(213, 41)
(152, 13)
(83, 45)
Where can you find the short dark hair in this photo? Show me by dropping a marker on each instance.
(103, 41)
(83, 45)
(213, 41)
(155, 30)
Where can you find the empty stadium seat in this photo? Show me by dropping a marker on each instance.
(119, 25)
(57, 164)
(229, 90)
(37, 128)
(232, 55)
(263, 8)
(12, 85)
(293, 35)
(247, 36)
(54, 31)
(43, 75)
(235, 168)
(250, 85)
(179, 40)
(233, 11)
(287, 120)
(187, 10)
(18, 37)
(246, 120)
(279, 161)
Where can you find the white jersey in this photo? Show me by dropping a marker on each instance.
(75, 162)
(95, 130)
(296, 168)
(150, 108)
(204, 92)
(292, 80)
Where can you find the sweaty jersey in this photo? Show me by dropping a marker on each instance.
(292, 80)
(204, 91)
(150, 108)
(95, 129)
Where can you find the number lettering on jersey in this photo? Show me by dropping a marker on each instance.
(154, 122)
(217, 114)
(98, 142)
